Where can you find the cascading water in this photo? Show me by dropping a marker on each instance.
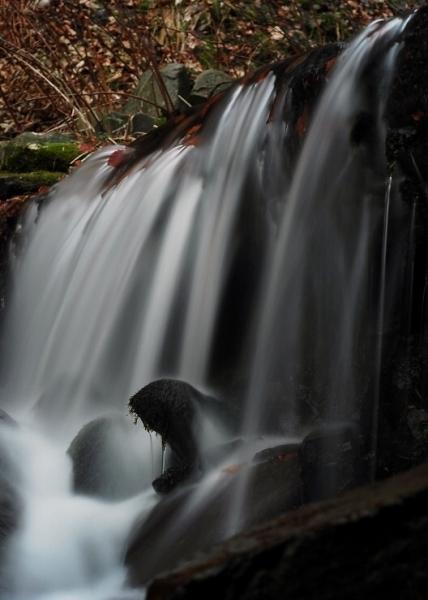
(101, 286)
(111, 273)
(329, 229)
(115, 286)
(320, 290)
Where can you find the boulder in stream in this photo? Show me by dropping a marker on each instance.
(106, 461)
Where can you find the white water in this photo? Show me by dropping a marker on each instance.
(66, 543)
(108, 283)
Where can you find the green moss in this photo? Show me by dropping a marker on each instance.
(30, 157)
(207, 54)
(160, 121)
(35, 177)
(144, 5)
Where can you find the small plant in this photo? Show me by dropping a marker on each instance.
(75, 61)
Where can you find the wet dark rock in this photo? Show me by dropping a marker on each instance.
(331, 461)
(208, 83)
(102, 462)
(172, 408)
(178, 529)
(369, 543)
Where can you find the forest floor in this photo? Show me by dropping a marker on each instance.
(65, 63)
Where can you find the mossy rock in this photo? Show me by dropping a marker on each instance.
(15, 184)
(209, 83)
(20, 157)
(178, 83)
(29, 137)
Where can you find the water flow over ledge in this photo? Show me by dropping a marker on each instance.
(117, 287)
(315, 332)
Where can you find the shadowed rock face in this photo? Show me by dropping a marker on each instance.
(170, 408)
(194, 518)
(331, 461)
(369, 543)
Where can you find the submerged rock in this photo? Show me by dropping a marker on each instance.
(103, 461)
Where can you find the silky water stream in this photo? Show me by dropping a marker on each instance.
(115, 286)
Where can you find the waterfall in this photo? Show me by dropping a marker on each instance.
(318, 284)
(117, 284)
(111, 281)
(317, 324)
